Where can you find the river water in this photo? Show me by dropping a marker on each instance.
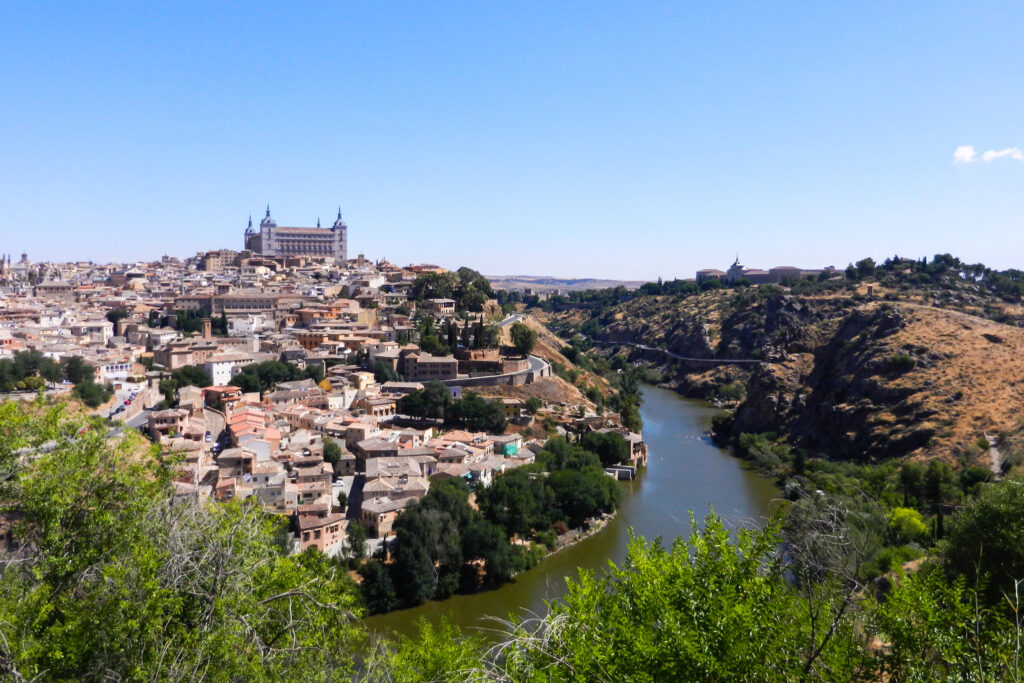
(685, 471)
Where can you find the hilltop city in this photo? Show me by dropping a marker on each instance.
(278, 371)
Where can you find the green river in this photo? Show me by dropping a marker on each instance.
(685, 471)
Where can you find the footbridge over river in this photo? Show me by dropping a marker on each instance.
(672, 354)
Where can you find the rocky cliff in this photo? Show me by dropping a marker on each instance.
(844, 376)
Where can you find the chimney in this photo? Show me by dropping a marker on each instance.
(207, 328)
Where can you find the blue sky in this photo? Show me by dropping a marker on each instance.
(577, 139)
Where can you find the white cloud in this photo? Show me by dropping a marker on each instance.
(963, 154)
(1012, 152)
(966, 154)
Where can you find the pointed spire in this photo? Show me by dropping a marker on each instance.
(250, 221)
(318, 221)
(339, 212)
(268, 210)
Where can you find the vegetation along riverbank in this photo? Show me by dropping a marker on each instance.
(901, 548)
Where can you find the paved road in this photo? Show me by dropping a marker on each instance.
(214, 423)
(536, 364)
(137, 421)
(514, 318)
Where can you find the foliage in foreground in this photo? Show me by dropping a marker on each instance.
(721, 606)
(103, 577)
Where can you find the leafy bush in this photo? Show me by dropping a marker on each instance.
(985, 539)
(92, 394)
(907, 525)
(901, 362)
(734, 391)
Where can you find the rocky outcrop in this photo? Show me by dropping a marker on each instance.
(853, 404)
(844, 375)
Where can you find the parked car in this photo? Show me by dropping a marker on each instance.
(209, 436)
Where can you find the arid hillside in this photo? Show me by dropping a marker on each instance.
(840, 374)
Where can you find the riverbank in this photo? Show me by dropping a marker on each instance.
(574, 536)
(685, 472)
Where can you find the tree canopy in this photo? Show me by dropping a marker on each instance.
(470, 412)
(469, 289)
(106, 579)
(523, 338)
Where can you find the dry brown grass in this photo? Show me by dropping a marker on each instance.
(980, 358)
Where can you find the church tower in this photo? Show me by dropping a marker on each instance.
(340, 231)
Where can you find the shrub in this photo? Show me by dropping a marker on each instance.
(901, 362)
(985, 539)
(721, 425)
(734, 391)
(546, 538)
(908, 525)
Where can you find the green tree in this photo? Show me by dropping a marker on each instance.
(267, 375)
(414, 557)
(249, 383)
(865, 267)
(433, 401)
(314, 372)
(192, 375)
(934, 630)
(517, 501)
(609, 446)
(912, 482)
(707, 609)
(434, 286)
(490, 336)
(438, 654)
(907, 525)
(33, 383)
(940, 483)
(383, 372)
(581, 494)
(377, 588)
(332, 451)
(477, 414)
(115, 314)
(523, 338)
(985, 539)
(92, 394)
(114, 582)
(433, 345)
(486, 541)
(76, 370)
(356, 539)
(453, 335)
(533, 404)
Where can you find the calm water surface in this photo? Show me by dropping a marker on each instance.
(684, 472)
